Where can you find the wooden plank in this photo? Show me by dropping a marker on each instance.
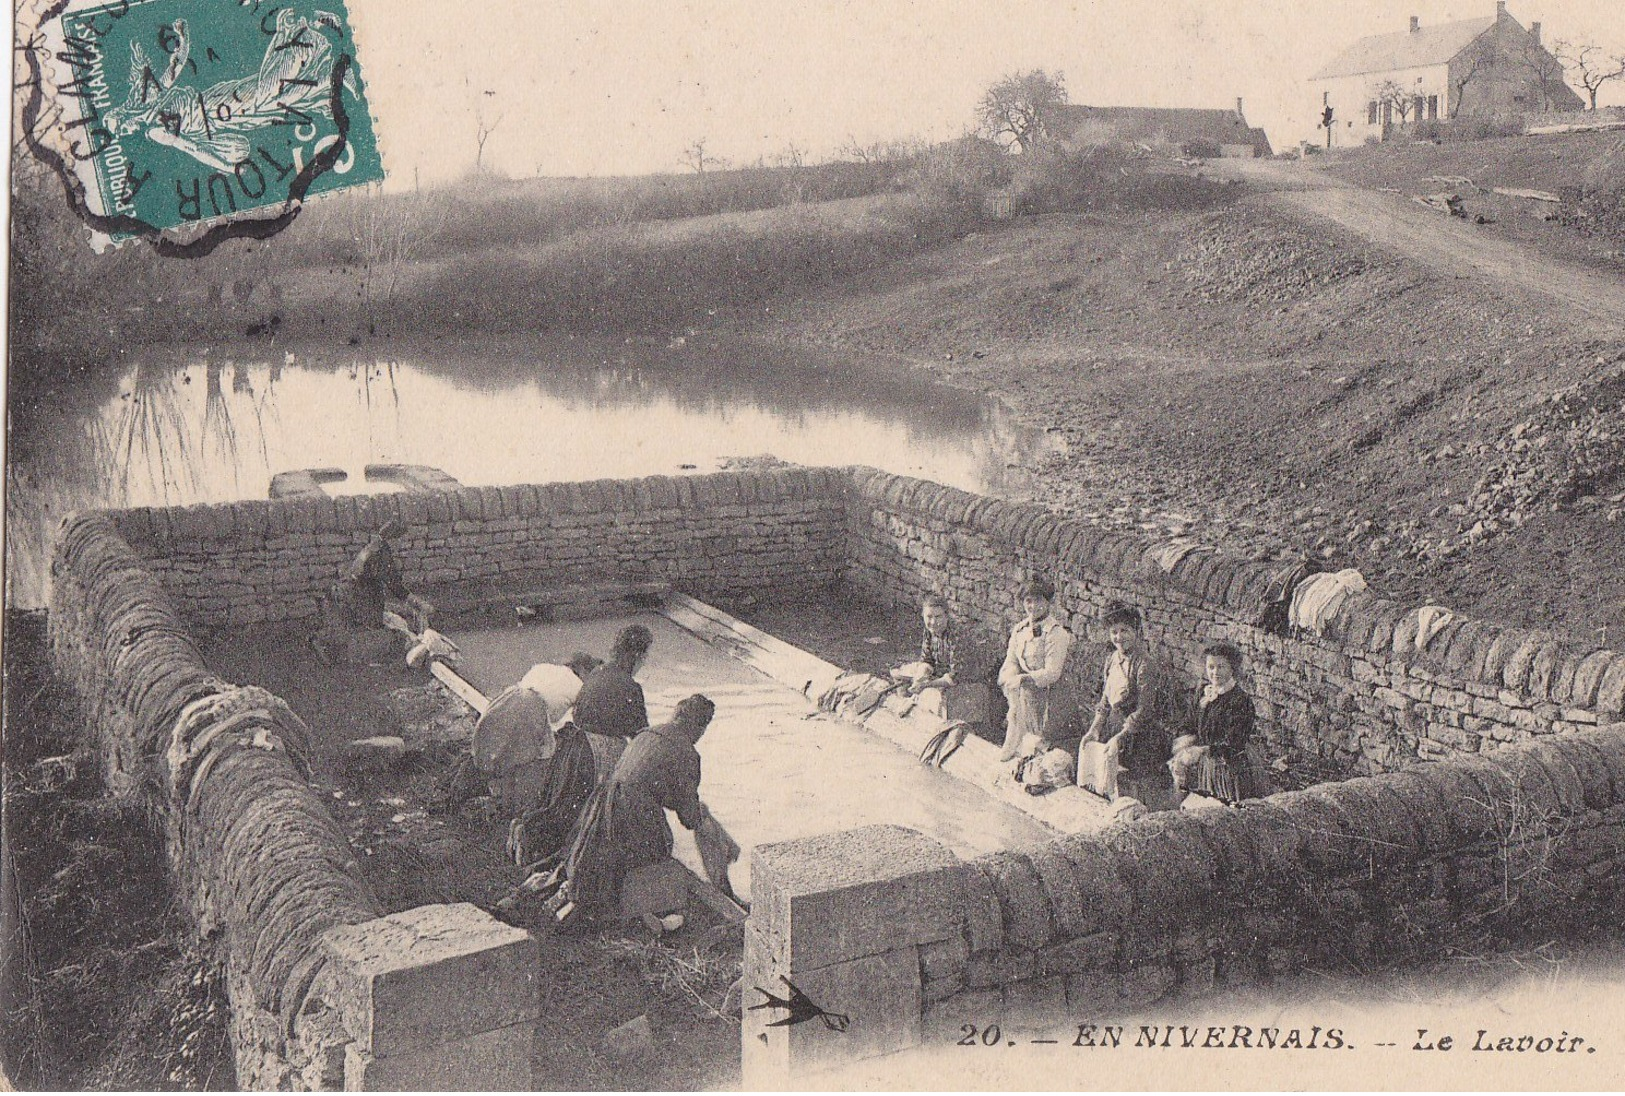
(464, 691)
(784, 663)
(1532, 195)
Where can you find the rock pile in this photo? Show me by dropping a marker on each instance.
(1569, 451)
(1235, 259)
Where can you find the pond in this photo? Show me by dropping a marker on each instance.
(178, 425)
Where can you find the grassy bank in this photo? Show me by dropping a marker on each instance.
(362, 260)
(107, 990)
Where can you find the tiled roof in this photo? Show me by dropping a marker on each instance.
(1221, 127)
(1434, 45)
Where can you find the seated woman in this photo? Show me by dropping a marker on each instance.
(934, 672)
(611, 701)
(1213, 760)
(624, 826)
(1033, 663)
(1131, 719)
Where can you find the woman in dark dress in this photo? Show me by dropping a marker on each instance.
(1213, 761)
(624, 825)
(1132, 717)
(611, 701)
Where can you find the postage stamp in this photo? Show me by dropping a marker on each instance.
(179, 113)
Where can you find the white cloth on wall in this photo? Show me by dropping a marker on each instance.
(1430, 621)
(1318, 598)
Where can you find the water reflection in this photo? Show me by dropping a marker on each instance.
(213, 424)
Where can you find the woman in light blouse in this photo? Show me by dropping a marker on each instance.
(1033, 663)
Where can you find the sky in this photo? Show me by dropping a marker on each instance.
(589, 87)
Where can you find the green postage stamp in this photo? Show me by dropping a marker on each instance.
(177, 113)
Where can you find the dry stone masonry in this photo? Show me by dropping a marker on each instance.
(269, 878)
(717, 536)
(1370, 689)
(1493, 792)
(889, 929)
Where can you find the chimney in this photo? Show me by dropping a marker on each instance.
(1500, 9)
(1416, 24)
(1239, 113)
(1534, 32)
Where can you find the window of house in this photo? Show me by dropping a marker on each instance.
(1387, 114)
(1433, 106)
(1418, 104)
(1371, 112)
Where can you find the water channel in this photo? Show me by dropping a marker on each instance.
(178, 425)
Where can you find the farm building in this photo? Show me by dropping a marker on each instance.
(1209, 133)
(1491, 67)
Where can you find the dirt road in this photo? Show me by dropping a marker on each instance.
(1449, 245)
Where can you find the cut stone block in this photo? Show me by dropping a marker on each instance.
(430, 975)
(655, 888)
(878, 995)
(944, 1020)
(491, 1061)
(839, 897)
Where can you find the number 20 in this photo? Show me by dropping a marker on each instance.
(990, 1035)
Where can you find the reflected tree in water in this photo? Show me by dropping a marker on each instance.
(151, 454)
(219, 431)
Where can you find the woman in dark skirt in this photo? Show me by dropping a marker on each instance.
(624, 825)
(1213, 761)
(1133, 717)
(611, 701)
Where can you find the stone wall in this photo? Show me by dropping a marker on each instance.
(716, 536)
(887, 928)
(1360, 691)
(266, 874)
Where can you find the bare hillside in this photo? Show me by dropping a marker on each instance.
(1273, 382)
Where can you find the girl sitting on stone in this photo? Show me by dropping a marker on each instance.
(1213, 759)
(930, 676)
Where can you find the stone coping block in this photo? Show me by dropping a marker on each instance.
(309, 509)
(491, 1061)
(431, 975)
(843, 896)
(875, 1008)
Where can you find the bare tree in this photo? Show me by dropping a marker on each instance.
(792, 155)
(483, 128)
(1017, 109)
(1588, 65)
(1463, 73)
(1545, 72)
(1399, 101)
(698, 159)
(389, 234)
(856, 151)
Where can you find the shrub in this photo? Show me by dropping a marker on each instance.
(1059, 179)
(1440, 130)
(955, 177)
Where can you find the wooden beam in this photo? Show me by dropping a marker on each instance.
(464, 691)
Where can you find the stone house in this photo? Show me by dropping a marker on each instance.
(1209, 133)
(1490, 67)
